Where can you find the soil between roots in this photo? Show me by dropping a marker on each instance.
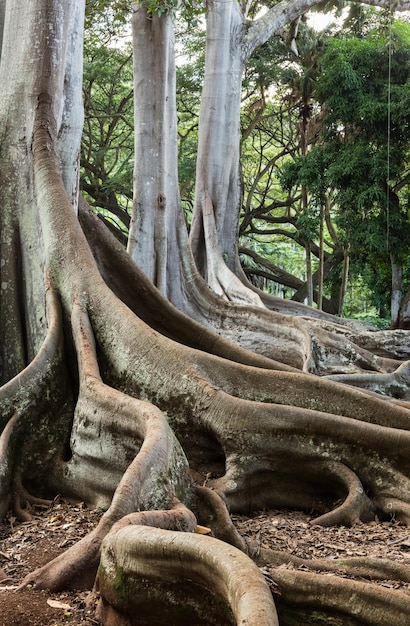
(27, 545)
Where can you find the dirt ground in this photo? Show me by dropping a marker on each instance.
(24, 546)
(27, 545)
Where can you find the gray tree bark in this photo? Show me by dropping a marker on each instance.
(153, 231)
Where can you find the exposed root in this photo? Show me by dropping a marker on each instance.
(338, 599)
(131, 286)
(256, 438)
(23, 399)
(22, 498)
(158, 472)
(389, 343)
(327, 459)
(163, 577)
(359, 567)
(7, 463)
(29, 386)
(301, 390)
(333, 351)
(394, 508)
(288, 343)
(394, 384)
(179, 517)
(213, 512)
(356, 507)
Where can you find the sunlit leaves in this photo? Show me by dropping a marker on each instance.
(120, 10)
(107, 143)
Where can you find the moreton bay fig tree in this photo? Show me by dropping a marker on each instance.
(112, 396)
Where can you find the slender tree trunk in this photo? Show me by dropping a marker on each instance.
(321, 258)
(396, 289)
(218, 174)
(345, 277)
(309, 274)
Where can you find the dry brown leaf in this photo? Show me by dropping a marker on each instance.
(56, 604)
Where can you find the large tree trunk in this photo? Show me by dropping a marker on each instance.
(153, 232)
(25, 91)
(218, 195)
(113, 397)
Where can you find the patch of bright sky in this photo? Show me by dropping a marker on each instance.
(320, 21)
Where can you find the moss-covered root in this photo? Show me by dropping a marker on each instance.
(167, 577)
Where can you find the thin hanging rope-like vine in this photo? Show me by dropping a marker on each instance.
(389, 49)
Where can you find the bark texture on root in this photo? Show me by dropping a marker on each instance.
(157, 474)
(128, 282)
(33, 397)
(165, 577)
(322, 347)
(368, 568)
(303, 594)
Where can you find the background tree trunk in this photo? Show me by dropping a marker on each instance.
(396, 289)
(321, 257)
(218, 195)
(343, 288)
(309, 275)
(153, 231)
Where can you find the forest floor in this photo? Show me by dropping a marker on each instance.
(27, 545)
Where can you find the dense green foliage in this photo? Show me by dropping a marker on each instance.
(107, 150)
(362, 156)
